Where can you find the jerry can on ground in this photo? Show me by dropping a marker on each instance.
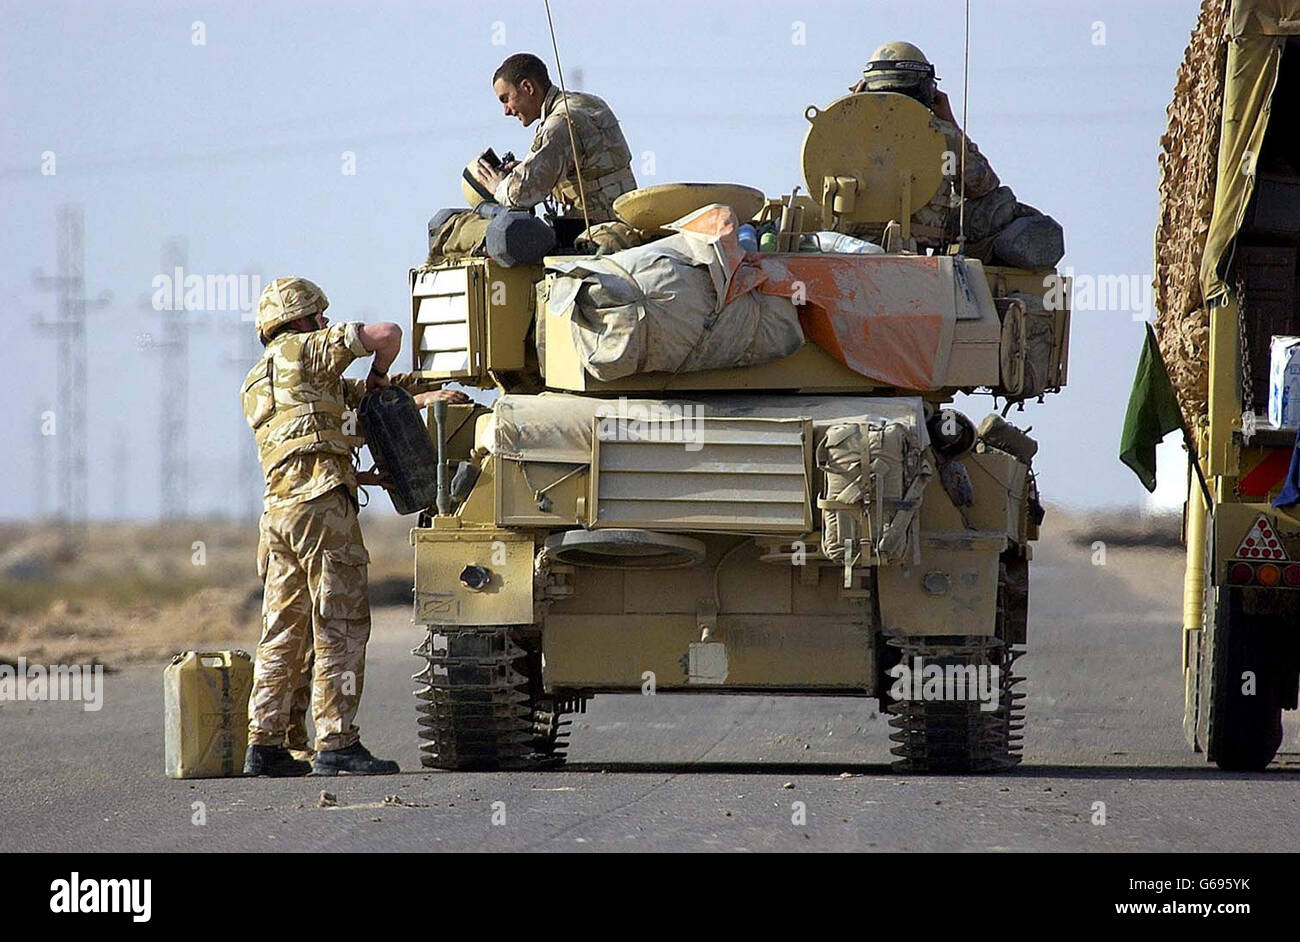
(205, 697)
(400, 443)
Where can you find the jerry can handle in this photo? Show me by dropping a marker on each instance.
(212, 658)
(222, 658)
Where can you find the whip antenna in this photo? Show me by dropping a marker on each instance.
(965, 97)
(573, 141)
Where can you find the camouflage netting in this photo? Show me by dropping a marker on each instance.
(1188, 163)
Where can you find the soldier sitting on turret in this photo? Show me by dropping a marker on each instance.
(524, 89)
(998, 228)
(548, 174)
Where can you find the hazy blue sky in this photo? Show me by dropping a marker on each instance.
(237, 146)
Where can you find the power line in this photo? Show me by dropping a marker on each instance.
(70, 332)
(247, 466)
(174, 377)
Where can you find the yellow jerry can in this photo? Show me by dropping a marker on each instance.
(205, 697)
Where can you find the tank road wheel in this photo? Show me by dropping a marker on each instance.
(481, 702)
(956, 735)
(1242, 672)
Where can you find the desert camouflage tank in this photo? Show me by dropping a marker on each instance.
(711, 469)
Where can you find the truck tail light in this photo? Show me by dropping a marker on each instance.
(1241, 574)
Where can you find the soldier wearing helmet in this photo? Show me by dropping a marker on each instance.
(902, 68)
(311, 555)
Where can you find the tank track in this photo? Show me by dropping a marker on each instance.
(956, 735)
(481, 702)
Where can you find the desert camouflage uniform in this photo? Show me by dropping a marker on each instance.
(981, 181)
(990, 207)
(310, 552)
(548, 168)
(296, 738)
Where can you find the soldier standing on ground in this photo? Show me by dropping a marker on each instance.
(310, 550)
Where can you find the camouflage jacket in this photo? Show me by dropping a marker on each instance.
(548, 168)
(295, 400)
(979, 176)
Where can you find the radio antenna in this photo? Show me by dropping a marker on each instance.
(965, 98)
(573, 141)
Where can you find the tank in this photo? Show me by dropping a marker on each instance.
(757, 486)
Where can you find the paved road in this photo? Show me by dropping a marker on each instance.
(705, 772)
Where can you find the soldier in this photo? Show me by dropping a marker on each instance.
(310, 552)
(524, 89)
(990, 207)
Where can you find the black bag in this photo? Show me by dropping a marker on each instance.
(402, 447)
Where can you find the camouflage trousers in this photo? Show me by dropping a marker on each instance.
(300, 707)
(313, 563)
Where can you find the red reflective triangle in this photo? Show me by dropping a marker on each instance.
(1261, 542)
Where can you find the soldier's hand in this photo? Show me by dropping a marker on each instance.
(374, 477)
(377, 381)
(454, 396)
(489, 177)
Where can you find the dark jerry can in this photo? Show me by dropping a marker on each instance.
(400, 444)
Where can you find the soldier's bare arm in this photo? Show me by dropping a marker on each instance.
(440, 395)
(384, 340)
(419, 387)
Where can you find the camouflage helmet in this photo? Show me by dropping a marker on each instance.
(900, 67)
(285, 300)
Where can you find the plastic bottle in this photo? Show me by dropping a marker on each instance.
(841, 243)
(748, 236)
(768, 242)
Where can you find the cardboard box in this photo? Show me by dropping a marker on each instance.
(1284, 382)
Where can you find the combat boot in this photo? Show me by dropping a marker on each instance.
(353, 760)
(273, 761)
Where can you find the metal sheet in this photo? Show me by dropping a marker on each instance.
(743, 475)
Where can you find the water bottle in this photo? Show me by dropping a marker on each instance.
(748, 236)
(839, 242)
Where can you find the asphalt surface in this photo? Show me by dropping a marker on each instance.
(704, 772)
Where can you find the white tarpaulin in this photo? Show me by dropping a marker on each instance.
(661, 307)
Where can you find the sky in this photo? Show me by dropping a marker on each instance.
(241, 146)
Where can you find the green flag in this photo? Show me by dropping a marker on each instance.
(1152, 413)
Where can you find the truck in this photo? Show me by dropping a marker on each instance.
(1226, 284)
(819, 523)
